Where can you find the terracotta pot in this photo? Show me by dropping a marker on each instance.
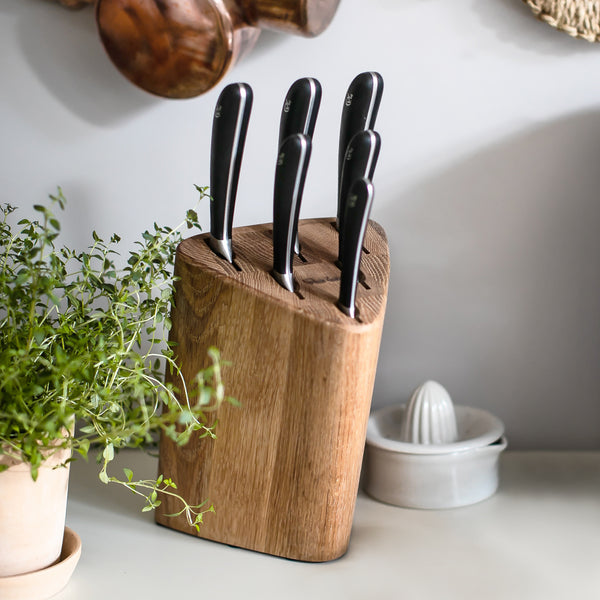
(32, 514)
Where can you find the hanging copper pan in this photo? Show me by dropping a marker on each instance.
(183, 48)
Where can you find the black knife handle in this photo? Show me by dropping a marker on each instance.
(361, 106)
(356, 218)
(230, 124)
(359, 163)
(300, 108)
(290, 175)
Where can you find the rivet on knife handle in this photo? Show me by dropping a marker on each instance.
(359, 163)
(290, 174)
(356, 218)
(361, 105)
(230, 124)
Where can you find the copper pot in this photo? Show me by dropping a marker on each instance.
(183, 48)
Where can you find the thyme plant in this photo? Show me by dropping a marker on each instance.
(83, 349)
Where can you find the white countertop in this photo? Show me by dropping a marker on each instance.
(537, 538)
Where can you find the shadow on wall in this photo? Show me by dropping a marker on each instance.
(64, 51)
(495, 285)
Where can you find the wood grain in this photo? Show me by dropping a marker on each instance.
(301, 17)
(174, 48)
(283, 472)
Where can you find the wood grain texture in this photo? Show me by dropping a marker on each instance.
(301, 17)
(283, 472)
(174, 48)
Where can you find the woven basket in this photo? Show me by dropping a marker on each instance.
(578, 18)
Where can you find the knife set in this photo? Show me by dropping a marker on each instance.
(296, 307)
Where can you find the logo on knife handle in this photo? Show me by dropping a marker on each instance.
(287, 105)
(280, 159)
(218, 110)
(349, 97)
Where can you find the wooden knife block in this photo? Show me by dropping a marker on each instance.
(283, 472)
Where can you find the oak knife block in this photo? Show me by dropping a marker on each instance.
(283, 472)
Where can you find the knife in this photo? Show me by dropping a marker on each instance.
(359, 163)
(300, 108)
(356, 218)
(299, 114)
(359, 113)
(230, 123)
(290, 174)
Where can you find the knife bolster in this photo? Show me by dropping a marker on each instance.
(283, 472)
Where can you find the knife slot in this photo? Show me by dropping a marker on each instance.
(365, 250)
(301, 257)
(297, 291)
(363, 280)
(233, 263)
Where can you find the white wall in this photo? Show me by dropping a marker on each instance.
(487, 183)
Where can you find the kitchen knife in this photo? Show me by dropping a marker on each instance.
(230, 123)
(299, 114)
(356, 218)
(359, 113)
(290, 174)
(300, 108)
(359, 163)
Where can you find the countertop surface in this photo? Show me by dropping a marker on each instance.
(538, 537)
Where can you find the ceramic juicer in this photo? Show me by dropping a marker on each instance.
(430, 453)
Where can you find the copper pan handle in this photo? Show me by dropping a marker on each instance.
(301, 17)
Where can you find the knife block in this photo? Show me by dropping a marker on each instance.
(284, 469)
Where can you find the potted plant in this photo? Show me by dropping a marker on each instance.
(82, 355)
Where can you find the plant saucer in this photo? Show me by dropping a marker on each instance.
(45, 583)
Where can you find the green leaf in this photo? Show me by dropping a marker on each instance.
(233, 401)
(84, 447)
(108, 453)
(80, 336)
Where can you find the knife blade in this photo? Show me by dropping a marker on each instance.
(361, 106)
(230, 124)
(299, 114)
(356, 218)
(290, 175)
(359, 163)
(300, 108)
